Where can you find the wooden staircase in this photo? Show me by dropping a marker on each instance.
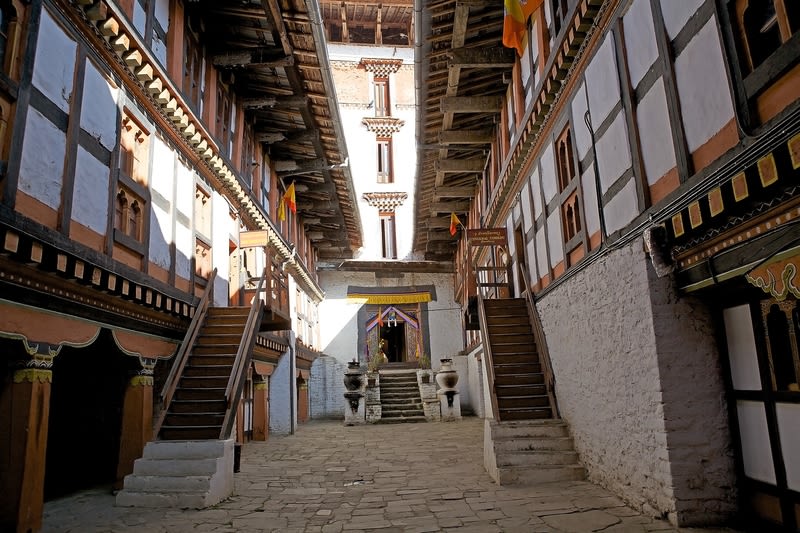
(198, 407)
(519, 380)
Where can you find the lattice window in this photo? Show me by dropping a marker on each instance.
(384, 161)
(129, 213)
(388, 238)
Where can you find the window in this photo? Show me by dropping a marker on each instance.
(134, 145)
(202, 212)
(570, 189)
(193, 66)
(7, 12)
(266, 177)
(148, 16)
(384, 159)
(128, 214)
(560, 9)
(248, 162)
(764, 25)
(202, 258)
(766, 38)
(382, 97)
(388, 240)
(223, 117)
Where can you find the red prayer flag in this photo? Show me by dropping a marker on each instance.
(380, 316)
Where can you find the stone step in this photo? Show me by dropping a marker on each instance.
(533, 475)
(174, 500)
(526, 413)
(402, 420)
(392, 413)
(175, 467)
(180, 474)
(523, 429)
(522, 444)
(536, 457)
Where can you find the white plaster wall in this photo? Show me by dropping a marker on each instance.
(541, 255)
(580, 133)
(160, 235)
(622, 208)
(163, 174)
(640, 39)
(475, 382)
(613, 152)
(590, 211)
(555, 238)
(533, 271)
(548, 170)
(220, 235)
(603, 81)
(281, 397)
(527, 215)
(536, 192)
(184, 246)
(641, 407)
(90, 198)
(655, 133)
(184, 200)
(326, 388)
(677, 14)
(54, 67)
(339, 316)
(700, 76)
(41, 171)
(98, 110)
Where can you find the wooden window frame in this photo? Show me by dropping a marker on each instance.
(383, 107)
(152, 26)
(384, 167)
(388, 224)
(193, 66)
(572, 215)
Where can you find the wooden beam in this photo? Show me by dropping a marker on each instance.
(449, 207)
(484, 57)
(289, 136)
(466, 137)
(453, 192)
(345, 30)
(474, 164)
(470, 104)
(256, 57)
(273, 101)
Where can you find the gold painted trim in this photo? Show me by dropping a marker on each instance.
(33, 375)
(141, 381)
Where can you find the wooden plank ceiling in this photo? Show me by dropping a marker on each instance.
(272, 52)
(465, 69)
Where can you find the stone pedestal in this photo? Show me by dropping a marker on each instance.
(372, 395)
(354, 408)
(450, 403)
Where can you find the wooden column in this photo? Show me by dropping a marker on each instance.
(137, 420)
(24, 414)
(261, 409)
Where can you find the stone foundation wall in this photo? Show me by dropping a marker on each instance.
(638, 380)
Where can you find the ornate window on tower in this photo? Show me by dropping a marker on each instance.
(569, 185)
(386, 203)
(381, 97)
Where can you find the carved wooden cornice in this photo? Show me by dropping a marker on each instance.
(381, 67)
(385, 201)
(383, 126)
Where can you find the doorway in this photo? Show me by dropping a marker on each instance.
(394, 337)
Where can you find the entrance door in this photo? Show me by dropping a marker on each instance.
(764, 371)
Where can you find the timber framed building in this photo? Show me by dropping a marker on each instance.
(626, 124)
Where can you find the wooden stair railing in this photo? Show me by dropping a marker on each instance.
(171, 383)
(489, 280)
(233, 391)
(540, 340)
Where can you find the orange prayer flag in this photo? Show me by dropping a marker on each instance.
(380, 316)
(454, 223)
(289, 196)
(517, 13)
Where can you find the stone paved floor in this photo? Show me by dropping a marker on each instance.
(332, 478)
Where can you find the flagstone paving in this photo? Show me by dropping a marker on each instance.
(330, 478)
